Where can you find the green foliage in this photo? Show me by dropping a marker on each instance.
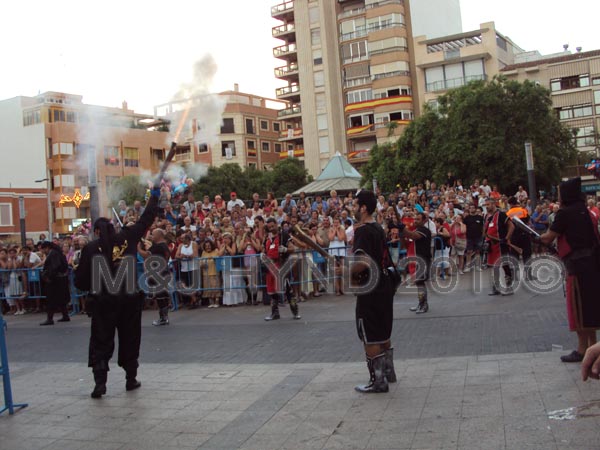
(286, 176)
(479, 131)
(128, 188)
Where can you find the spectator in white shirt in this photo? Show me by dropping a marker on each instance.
(233, 201)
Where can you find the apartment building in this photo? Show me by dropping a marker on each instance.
(574, 84)
(48, 143)
(248, 131)
(347, 65)
(452, 61)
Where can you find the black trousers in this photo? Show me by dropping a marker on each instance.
(116, 313)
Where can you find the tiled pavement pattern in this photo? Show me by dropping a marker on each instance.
(486, 402)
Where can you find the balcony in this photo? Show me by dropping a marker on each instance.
(383, 3)
(351, 12)
(291, 134)
(287, 52)
(288, 113)
(289, 72)
(283, 11)
(286, 31)
(357, 82)
(360, 131)
(354, 35)
(397, 73)
(444, 85)
(291, 93)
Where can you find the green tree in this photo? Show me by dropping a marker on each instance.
(382, 166)
(287, 176)
(129, 188)
(478, 131)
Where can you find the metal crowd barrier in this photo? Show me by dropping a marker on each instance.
(234, 272)
(9, 404)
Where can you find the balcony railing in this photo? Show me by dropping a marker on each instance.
(452, 83)
(295, 109)
(397, 48)
(357, 82)
(287, 90)
(354, 35)
(371, 28)
(282, 29)
(384, 2)
(351, 12)
(286, 70)
(284, 50)
(283, 7)
(397, 73)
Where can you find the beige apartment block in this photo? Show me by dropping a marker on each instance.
(347, 65)
(248, 131)
(49, 141)
(574, 84)
(452, 61)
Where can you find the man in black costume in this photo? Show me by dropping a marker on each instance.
(374, 310)
(120, 310)
(576, 230)
(55, 275)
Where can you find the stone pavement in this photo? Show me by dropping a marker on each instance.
(462, 402)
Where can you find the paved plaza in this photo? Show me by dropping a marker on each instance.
(477, 372)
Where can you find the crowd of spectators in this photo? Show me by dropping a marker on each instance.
(201, 231)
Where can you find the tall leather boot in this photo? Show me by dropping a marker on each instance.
(100, 371)
(49, 319)
(389, 372)
(377, 381)
(295, 310)
(130, 376)
(274, 308)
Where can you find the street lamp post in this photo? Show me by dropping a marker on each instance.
(48, 203)
(531, 175)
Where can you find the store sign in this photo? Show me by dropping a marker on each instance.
(591, 187)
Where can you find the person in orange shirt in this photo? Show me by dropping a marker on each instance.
(495, 194)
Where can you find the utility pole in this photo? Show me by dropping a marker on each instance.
(22, 220)
(531, 175)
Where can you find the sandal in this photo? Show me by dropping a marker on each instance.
(572, 357)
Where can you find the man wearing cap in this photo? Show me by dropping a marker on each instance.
(374, 310)
(276, 250)
(116, 308)
(233, 200)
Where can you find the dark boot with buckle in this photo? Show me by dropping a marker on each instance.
(274, 308)
(100, 371)
(130, 376)
(377, 381)
(390, 373)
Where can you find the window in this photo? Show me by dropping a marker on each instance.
(354, 28)
(266, 147)
(324, 145)
(359, 96)
(227, 126)
(383, 22)
(109, 181)
(313, 15)
(249, 126)
(596, 81)
(277, 147)
(228, 149)
(71, 117)
(64, 180)
(401, 115)
(561, 84)
(131, 157)
(290, 147)
(252, 165)
(322, 122)
(584, 136)
(360, 120)
(453, 75)
(5, 215)
(319, 78)
(354, 51)
(183, 153)
(111, 156)
(64, 148)
(31, 118)
(264, 124)
(597, 101)
(320, 102)
(317, 57)
(251, 145)
(202, 148)
(276, 126)
(315, 36)
(387, 45)
(391, 69)
(574, 112)
(392, 92)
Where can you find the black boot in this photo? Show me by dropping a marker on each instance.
(390, 373)
(100, 375)
(163, 317)
(130, 376)
(377, 381)
(49, 320)
(274, 308)
(65, 315)
(255, 299)
(295, 310)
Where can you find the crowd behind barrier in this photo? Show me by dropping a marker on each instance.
(237, 231)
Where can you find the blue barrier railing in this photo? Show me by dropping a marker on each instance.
(9, 404)
(234, 273)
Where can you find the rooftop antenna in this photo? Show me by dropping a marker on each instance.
(578, 49)
(565, 47)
